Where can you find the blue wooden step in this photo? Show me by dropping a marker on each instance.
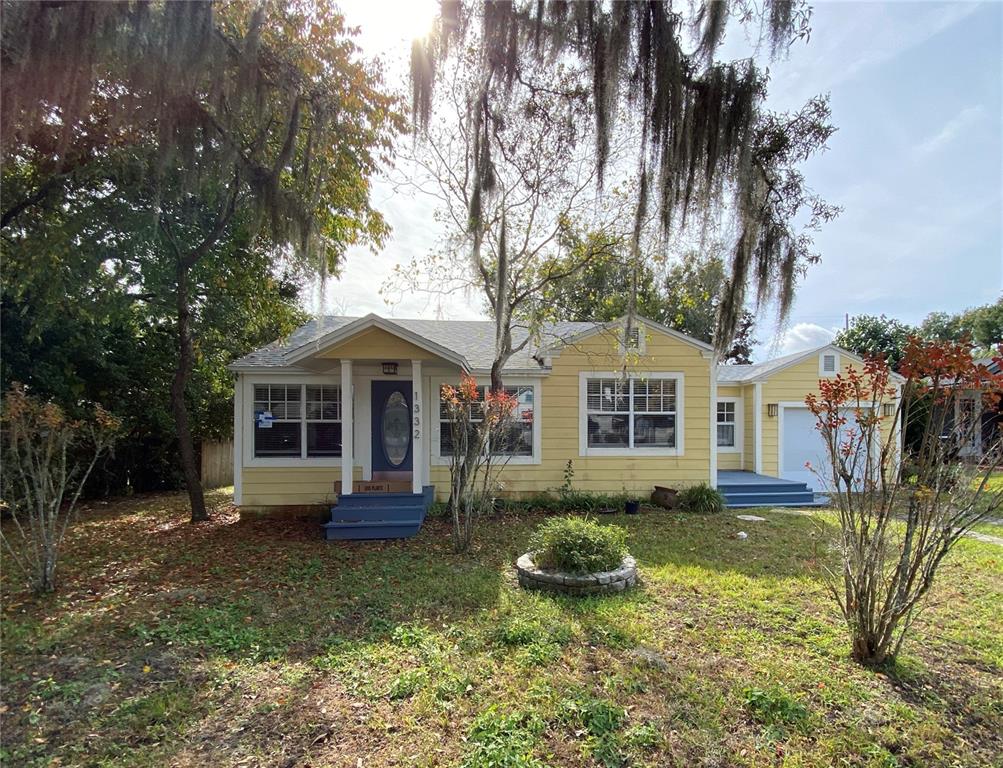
(384, 529)
(765, 497)
(379, 515)
(375, 514)
(780, 486)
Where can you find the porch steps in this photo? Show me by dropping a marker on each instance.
(761, 491)
(379, 515)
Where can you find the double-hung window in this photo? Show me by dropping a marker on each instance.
(517, 439)
(297, 421)
(323, 420)
(278, 418)
(726, 424)
(631, 413)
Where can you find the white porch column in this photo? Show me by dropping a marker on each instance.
(713, 421)
(757, 426)
(238, 439)
(418, 431)
(347, 428)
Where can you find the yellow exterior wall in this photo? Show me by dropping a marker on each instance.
(793, 385)
(377, 344)
(291, 486)
(749, 426)
(559, 421)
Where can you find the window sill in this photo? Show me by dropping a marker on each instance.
(443, 461)
(728, 449)
(315, 461)
(636, 452)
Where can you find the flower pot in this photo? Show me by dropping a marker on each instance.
(632, 507)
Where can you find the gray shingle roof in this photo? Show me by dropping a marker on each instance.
(730, 373)
(474, 340)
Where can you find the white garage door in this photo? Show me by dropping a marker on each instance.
(802, 443)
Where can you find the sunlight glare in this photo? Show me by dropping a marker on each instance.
(388, 22)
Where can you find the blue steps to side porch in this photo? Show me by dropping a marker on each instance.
(379, 515)
(747, 489)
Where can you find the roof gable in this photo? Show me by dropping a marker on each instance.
(760, 371)
(360, 326)
(591, 329)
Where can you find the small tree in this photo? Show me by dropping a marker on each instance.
(871, 336)
(900, 514)
(39, 472)
(476, 426)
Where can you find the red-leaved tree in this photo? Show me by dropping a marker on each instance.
(477, 427)
(901, 508)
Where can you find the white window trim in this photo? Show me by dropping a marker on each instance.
(438, 460)
(821, 364)
(739, 421)
(247, 434)
(584, 449)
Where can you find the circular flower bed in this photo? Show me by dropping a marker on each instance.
(603, 582)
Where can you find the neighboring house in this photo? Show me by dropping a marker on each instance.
(345, 401)
(974, 423)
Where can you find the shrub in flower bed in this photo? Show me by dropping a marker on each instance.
(578, 545)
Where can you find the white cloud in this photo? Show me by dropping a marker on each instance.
(804, 336)
(951, 129)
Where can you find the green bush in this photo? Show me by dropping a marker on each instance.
(567, 502)
(701, 498)
(578, 545)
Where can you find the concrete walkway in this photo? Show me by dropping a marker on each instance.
(983, 537)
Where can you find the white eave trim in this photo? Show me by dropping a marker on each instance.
(268, 369)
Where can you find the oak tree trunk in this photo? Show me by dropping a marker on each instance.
(182, 373)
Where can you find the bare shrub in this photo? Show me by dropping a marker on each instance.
(47, 458)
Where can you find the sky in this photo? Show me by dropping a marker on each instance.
(917, 165)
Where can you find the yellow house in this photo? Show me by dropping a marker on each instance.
(345, 411)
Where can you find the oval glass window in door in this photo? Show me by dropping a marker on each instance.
(396, 428)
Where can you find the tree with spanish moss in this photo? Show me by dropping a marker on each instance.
(512, 237)
(706, 145)
(204, 118)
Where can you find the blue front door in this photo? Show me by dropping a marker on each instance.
(391, 426)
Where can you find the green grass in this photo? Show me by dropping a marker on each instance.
(253, 642)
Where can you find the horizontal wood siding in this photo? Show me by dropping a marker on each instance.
(729, 460)
(559, 420)
(291, 486)
(749, 415)
(377, 344)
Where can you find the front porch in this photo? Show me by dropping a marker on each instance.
(750, 489)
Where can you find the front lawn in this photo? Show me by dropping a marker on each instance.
(253, 642)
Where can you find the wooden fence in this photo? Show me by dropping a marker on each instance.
(217, 463)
